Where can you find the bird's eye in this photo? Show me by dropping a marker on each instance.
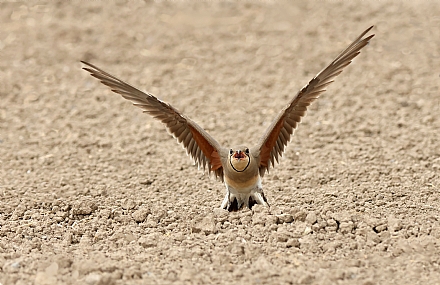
(246, 151)
(231, 152)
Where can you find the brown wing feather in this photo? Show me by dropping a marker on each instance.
(198, 143)
(279, 133)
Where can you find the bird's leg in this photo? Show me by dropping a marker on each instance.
(231, 202)
(234, 200)
(225, 203)
(257, 197)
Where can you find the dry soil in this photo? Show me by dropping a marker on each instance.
(95, 192)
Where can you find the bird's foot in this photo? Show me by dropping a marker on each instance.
(236, 201)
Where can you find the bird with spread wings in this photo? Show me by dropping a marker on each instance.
(240, 167)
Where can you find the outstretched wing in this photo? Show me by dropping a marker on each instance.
(204, 149)
(272, 144)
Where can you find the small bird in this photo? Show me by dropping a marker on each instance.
(241, 168)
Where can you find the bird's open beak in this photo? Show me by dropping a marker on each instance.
(239, 155)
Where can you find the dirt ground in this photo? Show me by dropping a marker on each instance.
(95, 192)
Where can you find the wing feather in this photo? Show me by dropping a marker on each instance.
(202, 148)
(272, 144)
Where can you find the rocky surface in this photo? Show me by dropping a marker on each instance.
(95, 192)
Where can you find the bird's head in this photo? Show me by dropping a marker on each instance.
(239, 158)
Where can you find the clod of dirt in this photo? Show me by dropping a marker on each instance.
(83, 208)
(259, 209)
(394, 225)
(220, 215)
(346, 227)
(141, 215)
(149, 241)
(285, 218)
(311, 218)
(300, 216)
(128, 204)
(206, 226)
(264, 219)
(236, 248)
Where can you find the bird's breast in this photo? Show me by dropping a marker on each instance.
(242, 185)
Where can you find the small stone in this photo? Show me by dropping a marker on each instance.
(394, 225)
(128, 204)
(332, 246)
(11, 267)
(68, 238)
(148, 241)
(307, 230)
(332, 226)
(246, 220)
(285, 218)
(343, 216)
(346, 227)
(236, 248)
(141, 215)
(373, 222)
(220, 215)
(292, 242)
(259, 209)
(271, 220)
(258, 219)
(62, 214)
(300, 216)
(146, 182)
(282, 237)
(316, 227)
(129, 237)
(311, 218)
(298, 230)
(84, 208)
(373, 237)
(85, 240)
(380, 228)
(178, 236)
(151, 223)
(105, 213)
(206, 225)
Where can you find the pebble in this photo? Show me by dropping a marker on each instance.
(300, 216)
(206, 226)
(148, 241)
(141, 214)
(285, 218)
(220, 215)
(311, 218)
(84, 208)
(128, 204)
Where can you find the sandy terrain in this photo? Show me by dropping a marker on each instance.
(95, 192)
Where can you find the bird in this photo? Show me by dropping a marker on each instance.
(240, 168)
